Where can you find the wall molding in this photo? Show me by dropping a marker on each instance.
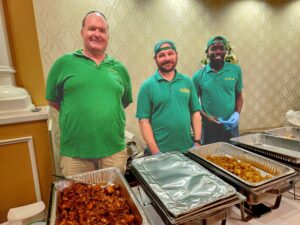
(34, 168)
(24, 116)
(7, 69)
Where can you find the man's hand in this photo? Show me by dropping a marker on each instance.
(196, 144)
(55, 105)
(155, 152)
(213, 119)
(224, 123)
(232, 122)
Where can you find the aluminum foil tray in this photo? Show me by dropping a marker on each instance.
(103, 176)
(292, 133)
(281, 148)
(211, 211)
(264, 165)
(181, 184)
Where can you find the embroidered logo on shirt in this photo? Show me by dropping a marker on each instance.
(185, 90)
(229, 78)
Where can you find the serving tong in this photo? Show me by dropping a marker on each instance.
(103, 185)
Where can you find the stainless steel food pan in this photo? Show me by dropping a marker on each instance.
(108, 176)
(284, 149)
(263, 164)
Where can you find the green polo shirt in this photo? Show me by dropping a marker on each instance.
(92, 117)
(217, 91)
(169, 106)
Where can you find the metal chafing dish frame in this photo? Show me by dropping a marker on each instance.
(284, 132)
(253, 142)
(211, 212)
(114, 175)
(254, 195)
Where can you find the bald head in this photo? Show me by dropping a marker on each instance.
(94, 33)
(93, 12)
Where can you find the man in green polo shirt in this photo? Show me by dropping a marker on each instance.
(219, 87)
(168, 105)
(91, 90)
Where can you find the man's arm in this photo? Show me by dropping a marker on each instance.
(211, 119)
(239, 102)
(197, 126)
(125, 105)
(234, 119)
(146, 130)
(54, 105)
(127, 96)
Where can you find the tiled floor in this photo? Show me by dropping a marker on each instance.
(287, 214)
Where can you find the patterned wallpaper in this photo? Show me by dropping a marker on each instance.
(264, 35)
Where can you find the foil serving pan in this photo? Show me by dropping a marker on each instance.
(181, 184)
(104, 176)
(215, 211)
(292, 133)
(264, 165)
(280, 148)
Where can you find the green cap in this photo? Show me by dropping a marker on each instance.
(216, 39)
(157, 47)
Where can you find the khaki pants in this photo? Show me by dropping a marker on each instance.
(71, 166)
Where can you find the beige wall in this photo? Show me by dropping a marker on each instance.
(264, 35)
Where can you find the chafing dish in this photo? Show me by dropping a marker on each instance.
(282, 149)
(182, 190)
(104, 176)
(292, 133)
(282, 176)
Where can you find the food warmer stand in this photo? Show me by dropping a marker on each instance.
(283, 177)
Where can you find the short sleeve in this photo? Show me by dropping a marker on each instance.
(127, 96)
(53, 90)
(194, 101)
(144, 102)
(195, 80)
(239, 85)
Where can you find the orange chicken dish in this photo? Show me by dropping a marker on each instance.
(241, 169)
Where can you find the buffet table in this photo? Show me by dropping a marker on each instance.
(219, 183)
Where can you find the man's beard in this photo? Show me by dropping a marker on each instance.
(213, 59)
(164, 70)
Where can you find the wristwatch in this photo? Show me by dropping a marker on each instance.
(197, 141)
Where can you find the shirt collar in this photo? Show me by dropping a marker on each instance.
(158, 77)
(209, 69)
(79, 53)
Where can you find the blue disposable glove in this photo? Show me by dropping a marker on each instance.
(224, 123)
(233, 121)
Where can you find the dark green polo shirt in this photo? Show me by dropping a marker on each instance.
(217, 91)
(169, 106)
